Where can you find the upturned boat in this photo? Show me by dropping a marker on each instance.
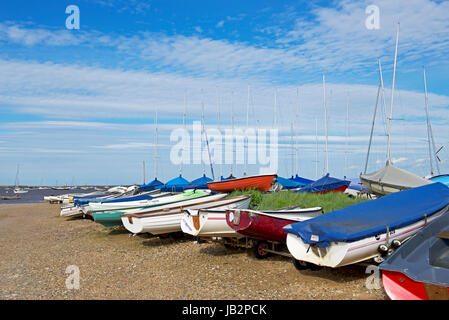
(259, 182)
(112, 217)
(211, 222)
(267, 225)
(419, 269)
(367, 230)
(138, 201)
(169, 220)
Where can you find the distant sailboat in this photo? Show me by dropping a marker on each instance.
(17, 188)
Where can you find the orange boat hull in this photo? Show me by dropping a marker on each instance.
(262, 183)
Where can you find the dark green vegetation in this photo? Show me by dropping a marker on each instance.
(269, 201)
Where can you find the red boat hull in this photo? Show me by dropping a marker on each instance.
(262, 183)
(400, 287)
(340, 189)
(259, 226)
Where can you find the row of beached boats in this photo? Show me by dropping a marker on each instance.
(371, 231)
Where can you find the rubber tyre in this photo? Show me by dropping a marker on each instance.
(300, 265)
(258, 250)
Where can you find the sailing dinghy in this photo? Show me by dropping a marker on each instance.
(268, 224)
(168, 219)
(212, 222)
(419, 269)
(366, 230)
(111, 217)
(324, 185)
(391, 179)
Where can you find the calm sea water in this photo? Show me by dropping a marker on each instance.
(36, 195)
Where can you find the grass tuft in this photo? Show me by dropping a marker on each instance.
(269, 201)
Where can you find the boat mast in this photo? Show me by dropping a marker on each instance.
(297, 132)
(275, 108)
(372, 127)
(207, 143)
(383, 95)
(143, 166)
(392, 96)
(219, 129)
(202, 133)
(184, 127)
(292, 147)
(326, 166)
(316, 147)
(17, 177)
(155, 147)
(246, 137)
(232, 122)
(347, 134)
(429, 130)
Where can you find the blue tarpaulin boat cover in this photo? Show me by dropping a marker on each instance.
(326, 183)
(176, 184)
(155, 184)
(289, 183)
(444, 178)
(370, 218)
(81, 201)
(357, 185)
(200, 183)
(133, 198)
(301, 180)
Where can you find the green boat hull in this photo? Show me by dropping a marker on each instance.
(112, 218)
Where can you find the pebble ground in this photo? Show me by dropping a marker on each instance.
(37, 246)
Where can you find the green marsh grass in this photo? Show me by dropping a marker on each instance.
(328, 201)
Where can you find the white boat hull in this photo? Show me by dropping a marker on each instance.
(158, 200)
(339, 254)
(211, 223)
(71, 211)
(169, 220)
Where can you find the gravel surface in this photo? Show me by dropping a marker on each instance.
(37, 245)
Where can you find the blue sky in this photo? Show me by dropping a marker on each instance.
(80, 104)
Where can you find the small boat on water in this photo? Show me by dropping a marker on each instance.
(259, 182)
(11, 198)
(419, 269)
(212, 222)
(366, 230)
(167, 219)
(111, 217)
(324, 185)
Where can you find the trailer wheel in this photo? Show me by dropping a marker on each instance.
(382, 249)
(164, 235)
(300, 265)
(396, 243)
(259, 249)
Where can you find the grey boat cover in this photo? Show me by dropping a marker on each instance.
(425, 256)
(392, 176)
